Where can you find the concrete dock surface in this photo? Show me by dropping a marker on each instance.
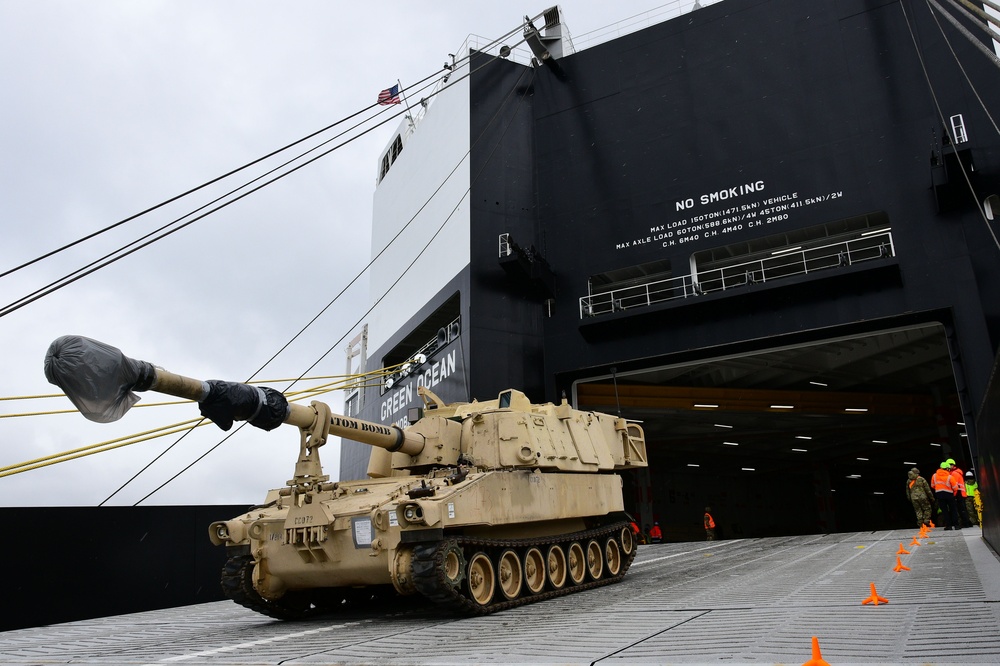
(755, 601)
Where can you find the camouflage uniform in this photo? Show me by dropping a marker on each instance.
(970, 501)
(918, 491)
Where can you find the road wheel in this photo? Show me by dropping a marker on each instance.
(510, 574)
(556, 568)
(534, 570)
(627, 537)
(595, 560)
(482, 581)
(577, 563)
(613, 556)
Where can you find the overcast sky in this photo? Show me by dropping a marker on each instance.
(111, 107)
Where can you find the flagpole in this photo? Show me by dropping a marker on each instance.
(409, 114)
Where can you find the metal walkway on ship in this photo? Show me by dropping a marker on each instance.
(740, 601)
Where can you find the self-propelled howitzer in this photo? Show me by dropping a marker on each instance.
(481, 506)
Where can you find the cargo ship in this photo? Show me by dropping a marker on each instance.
(765, 229)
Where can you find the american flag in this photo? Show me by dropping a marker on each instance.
(389, 96)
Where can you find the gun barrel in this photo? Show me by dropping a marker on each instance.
(391, 438)
(199, 391)
(99, 379)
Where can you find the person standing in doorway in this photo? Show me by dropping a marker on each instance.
(971, 495)
(918, 491)
(944, 493)
(709, 525)
(655, 534)
(958, 485)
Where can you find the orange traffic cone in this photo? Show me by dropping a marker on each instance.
(817, 659)
(914, 542)
(902, 551)
(874, 599)
(899, 566)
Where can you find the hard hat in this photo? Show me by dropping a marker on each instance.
(969, 473)
(950, 461)
(945, 465)
(915, 470)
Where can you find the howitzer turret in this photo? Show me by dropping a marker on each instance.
(482, 505)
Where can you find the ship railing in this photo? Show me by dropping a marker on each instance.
(640, 295)
(520, 53)
(417, 108)
(782, 263)
(445, 335)
(790, 262)
(639, 22)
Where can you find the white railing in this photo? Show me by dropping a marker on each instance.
(795, 261)
(781, 264)
(635, 296)
(521, 54)
(637, 22)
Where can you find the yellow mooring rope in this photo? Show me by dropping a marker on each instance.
(100, 447)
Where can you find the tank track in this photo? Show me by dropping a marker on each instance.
(237, 584)
(431, 579)
(429, 576)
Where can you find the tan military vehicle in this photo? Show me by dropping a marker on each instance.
(481, 506)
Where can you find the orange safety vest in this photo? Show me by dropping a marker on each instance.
(958, 482)
(709, 523)
(941, 481)
(655, 532)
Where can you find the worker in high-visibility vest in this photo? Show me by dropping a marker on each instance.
(972, 500)
(709, 525)
(958, 488)
(944, 493)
